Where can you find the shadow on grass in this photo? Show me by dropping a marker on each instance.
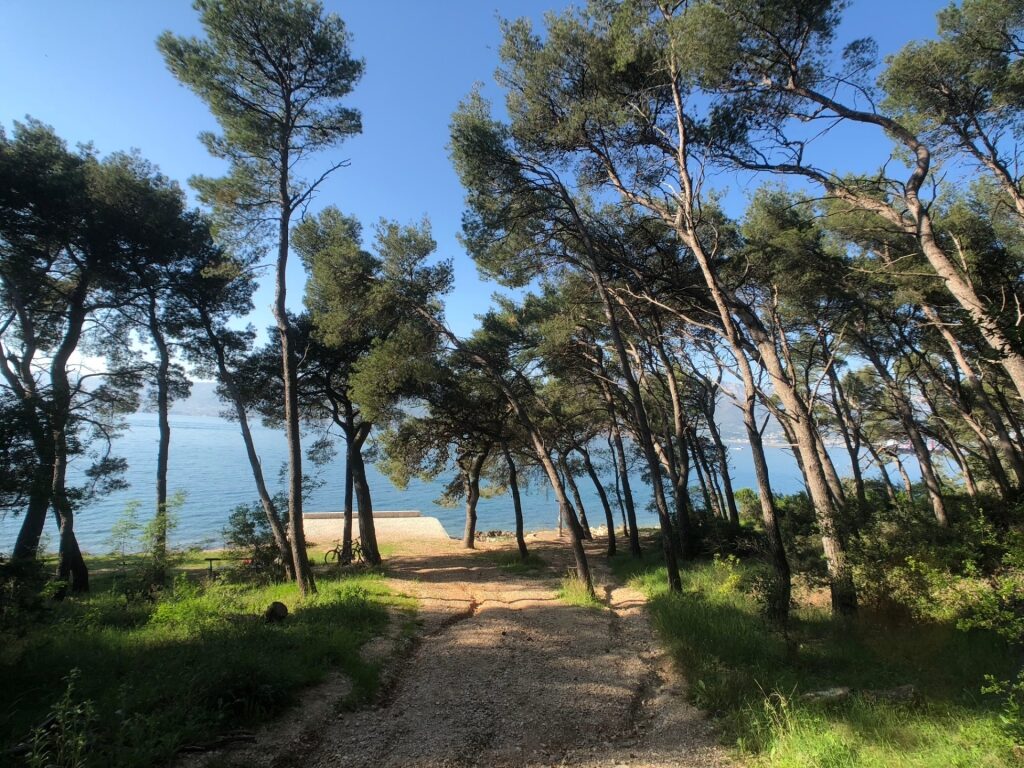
(196, 663)
(753, 678)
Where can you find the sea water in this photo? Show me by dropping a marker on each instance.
(208, 464)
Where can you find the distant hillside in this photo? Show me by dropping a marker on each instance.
(203, 401)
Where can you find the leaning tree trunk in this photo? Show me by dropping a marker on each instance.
(679, 498)
(608, 516)
(517, 504)
(618, 488)
(905, 411)
(26, 546)
(71, 565)
(367, 530)
(843, 591)
(723, 458)
(686, 535)
(644, 435)
(235, 395)
(850, 438)
(963, 291)
(709, 505)
(890, 489)
(536, 438)
(622, 472)
(977, 388)
(907, 485)
(577, 500)
(778, 599)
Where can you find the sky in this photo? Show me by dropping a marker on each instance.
(91, 70)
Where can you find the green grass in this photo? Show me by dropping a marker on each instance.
(574, 592)
(752, 678)
(198, 661)
(533, 565)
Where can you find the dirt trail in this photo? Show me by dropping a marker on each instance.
(503, 674)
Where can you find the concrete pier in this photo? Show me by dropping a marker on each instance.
(391, 526)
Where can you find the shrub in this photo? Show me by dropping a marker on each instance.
(24, 588)
(249, 534)
(64, 740)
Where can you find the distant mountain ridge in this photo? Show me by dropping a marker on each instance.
(203, 401)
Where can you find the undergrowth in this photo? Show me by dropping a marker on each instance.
(156, 676)
(753, 678)
(574, 592)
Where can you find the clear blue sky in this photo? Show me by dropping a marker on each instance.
(90, 69)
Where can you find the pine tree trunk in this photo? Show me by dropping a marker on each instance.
(905, 412)
(469, 531)
(71, 566)
(723, 458)
(539, 446)
(26, 546)
(962, 289)
(622, 472)
(290, 377)
(577, 500)
(160, 521)
(645, 438)
(907, 485)
(367, 529)
(608, 516)
(709, 504)
(235, 396)
(850, 440)
(890, 489)
(977, 388)
(517, 504)
(778, 599)
(346, 531)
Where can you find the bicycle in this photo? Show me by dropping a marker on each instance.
(336, 555)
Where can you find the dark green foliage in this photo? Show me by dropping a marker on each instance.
(24, 589)
(753, 678)
(67, 736)
(273, 73)
(199, 660)
(249, 536)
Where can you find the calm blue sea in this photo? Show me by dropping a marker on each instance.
(209, 465)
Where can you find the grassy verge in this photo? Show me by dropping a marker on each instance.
(574, 592)
(155, 676)
(753, 679)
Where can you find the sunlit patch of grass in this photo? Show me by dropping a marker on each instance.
(574, 592)
(753, 679)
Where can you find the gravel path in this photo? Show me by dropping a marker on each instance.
(504, 674)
